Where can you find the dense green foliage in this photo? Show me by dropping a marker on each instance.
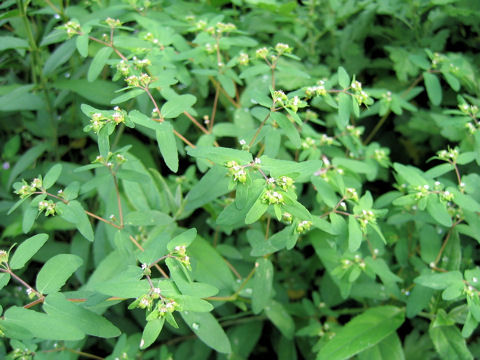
(236, 179)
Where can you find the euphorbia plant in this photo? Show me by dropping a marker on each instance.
(228, 193)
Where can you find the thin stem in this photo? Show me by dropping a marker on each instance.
(140, 247)
(445, 242)
(459, 178)
(214, 109)
(197, 124)
(21, 281)
(229, 98)
(237, 274)
(119, 200)
(376, 128)
(234, 296)
(103, 220)
(258, 130)
(384, 117)
(267, 230)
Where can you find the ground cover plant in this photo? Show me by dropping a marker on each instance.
(239, 179)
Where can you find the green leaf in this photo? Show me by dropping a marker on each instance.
(355, 235)
(208, 330)
(177, 105)
(99, 91)
(127, 96)
(262, 285)
(133, 176)
(78, 316)
(256, 211)
(40, 325)
(98, 62)
(29, 217)
(151, 332)
(167, 145)
(362, 332)
(449, 343)
(289, 129)
(221, 155)
(344, 110)
(104, 142)
(212, 185)
(56, 271)
(21, 99)
(4, 279)
(439, 281)
(209, 266)
(52, 176)
(184, 239)
(343, 78)
(280, 318)
(26, 250)
(410, 174)
(389, 348)
(438, 211)
(11, 42)
(434, 89)
(82, 45)
(25, 161)
(59, 57)
(74, 213)
(146, 218)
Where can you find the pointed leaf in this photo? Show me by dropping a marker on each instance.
(75, 314)
(26, 250)
(98, 62)
(167, 145)
(151, 332)
(362, 332)
(56, 271)
(355, 235)
(434, 89)
(52, 176)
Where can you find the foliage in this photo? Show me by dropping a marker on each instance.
(222, 179)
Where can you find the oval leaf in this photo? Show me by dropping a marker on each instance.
(362, 332)
(167, 145)
(26, 250)
(56, 271)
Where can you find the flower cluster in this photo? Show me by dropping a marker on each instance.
(360, 95)
(3, 257)
(450, 155)
(282, 48)
(238, 172)
(272, 197)
(100, 119)
(164, 307)
(317, 90)
(262, 53)
(308, 143)
(303, 226)
(72, 28)
(243, 59)
(284, 182)
(366, 217)
(113, 23)
(180, 253)
(26, 190)
(48, 205)
(141, 80)
(112, 160)
(351, 194)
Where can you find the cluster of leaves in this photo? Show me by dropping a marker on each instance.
(215, 183)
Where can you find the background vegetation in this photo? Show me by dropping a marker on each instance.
(231, 179)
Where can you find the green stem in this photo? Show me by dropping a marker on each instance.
(37, 74)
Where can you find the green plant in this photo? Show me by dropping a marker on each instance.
(298, 216)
